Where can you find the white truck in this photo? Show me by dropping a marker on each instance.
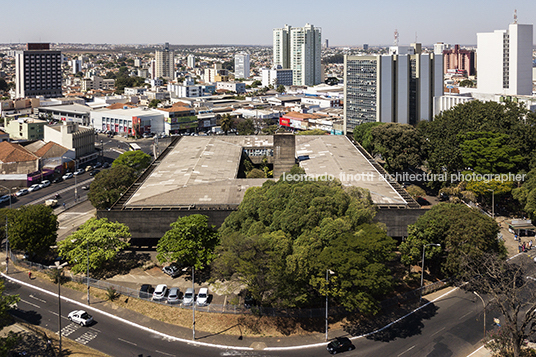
(51, 203)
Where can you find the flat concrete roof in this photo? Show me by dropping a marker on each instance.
(202, 171)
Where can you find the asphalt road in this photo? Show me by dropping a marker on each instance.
(452, 326)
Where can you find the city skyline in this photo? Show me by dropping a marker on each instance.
(237, 22)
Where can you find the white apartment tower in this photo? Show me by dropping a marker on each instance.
(241, 63)
(299, 49)
(38, 71)
(394, 88)
(191, 61)
(504, 61)
(164, 63)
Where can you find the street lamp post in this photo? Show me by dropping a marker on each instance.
(193, 303)
(484, 304)
(328, 272)
(59, 266)
(422, 267)
(492, 203)
(87, 279)
(7, 238)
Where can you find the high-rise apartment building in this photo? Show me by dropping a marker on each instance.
(191, 61)
(504, 61)
(299, 49)
(459, 60)
(164, 63)
(38, 71)
(394, 88)
(241, 65)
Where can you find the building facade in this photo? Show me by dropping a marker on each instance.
(25, 129)
(276, 76)
(191, 61)
(299, 49)
(457, 59)
(164, 63)
(241, 65)
(504, 61)
(38, 71)
(394, 88)
(74, 137)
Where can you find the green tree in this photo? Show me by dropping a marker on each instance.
(444, 153)
(400, 146)
(467, 83)
(154, 103)
(7, 343)
(362, 134)
(489, 153)
(136, 159)
(109, 185)
(32, 228)
(246, 127)
(415, 191)
(101, 238)
(256, 83)
(274, 241)
(190, 240)
(3, 85)
(227, 123)
(256, 173)
(280, 88)
(461, 231)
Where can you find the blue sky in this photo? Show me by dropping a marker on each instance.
(343, 22)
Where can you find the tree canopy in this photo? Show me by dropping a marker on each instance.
(109, 185)
(362, 134)
(509, 118)
(7, 343)
(460, 230)
(191, 241)
(400, 146)
(285, 235)
(137, 160)
(31, 228)
(246, 127)
(101, 238)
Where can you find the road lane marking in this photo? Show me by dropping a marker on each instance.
(69, 329)
(465, 315)
(86, 337)
(30, 303)
(409, 349)
(438, 331)
(93, 328)
(38, 299)
(167, 354)
(130, 343)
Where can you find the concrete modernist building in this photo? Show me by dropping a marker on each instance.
(276, 76)
(299, 49)
(394, 88)
(38, 71)
(164, 63)
(97, 83)
(202, 175)
(241, 65)
(237, 87)
(131, 121)
(504, 61)
(76, 113)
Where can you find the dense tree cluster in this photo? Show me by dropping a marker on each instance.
(284, 237)
(109, 185)
(31, 228)
(461, 231)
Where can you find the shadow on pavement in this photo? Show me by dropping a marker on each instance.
(409, 326)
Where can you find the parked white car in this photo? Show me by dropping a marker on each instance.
(160, 292)
(44, 183)
(188, 298)
(80, 317)
(34, 187)
(202, 297)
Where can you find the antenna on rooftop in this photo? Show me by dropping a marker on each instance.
(415, 36)
(515, 16)
(396, 38)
